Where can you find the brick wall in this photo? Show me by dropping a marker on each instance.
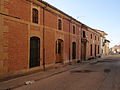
(18, 28)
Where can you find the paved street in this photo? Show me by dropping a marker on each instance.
(101, 75)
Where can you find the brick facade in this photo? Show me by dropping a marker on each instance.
(16, 29)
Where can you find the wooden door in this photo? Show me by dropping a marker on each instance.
(83, 51)
(59, 51)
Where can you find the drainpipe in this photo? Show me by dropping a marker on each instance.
(81, 42)
(69, 42)
(44, 67)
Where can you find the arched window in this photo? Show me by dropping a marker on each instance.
(74, 29)
(35, 15)
(84, 35)
(95, 37)
(98, 38)
(91, 36)
(59, 24)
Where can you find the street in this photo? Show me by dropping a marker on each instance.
(102, 75)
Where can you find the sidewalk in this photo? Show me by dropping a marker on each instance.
(29, 79)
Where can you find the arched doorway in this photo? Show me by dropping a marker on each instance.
(95, 50)
(83, 49)
(59, 51)
(74, 50)
(91, 50)
(34, 52)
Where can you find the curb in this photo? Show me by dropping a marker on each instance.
(53, 74)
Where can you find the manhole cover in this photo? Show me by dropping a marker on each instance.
(81, 71)
(104, 61)
(93, 63)
(107, 70)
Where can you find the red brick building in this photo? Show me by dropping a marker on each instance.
(34, 35)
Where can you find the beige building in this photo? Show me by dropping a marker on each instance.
(104, 43)
(106, 47)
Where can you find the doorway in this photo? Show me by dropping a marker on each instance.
(83, 51)
(74, 50)
(59, 51)
(34, 52)
(95, 50)
(91, 50)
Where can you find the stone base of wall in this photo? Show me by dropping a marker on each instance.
(11, 75)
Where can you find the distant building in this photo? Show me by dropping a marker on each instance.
(115, 49)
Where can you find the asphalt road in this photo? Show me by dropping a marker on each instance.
(103, 75)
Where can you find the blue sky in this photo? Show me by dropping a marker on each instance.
(99, 14)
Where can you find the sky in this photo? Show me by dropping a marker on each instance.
(98, 14)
